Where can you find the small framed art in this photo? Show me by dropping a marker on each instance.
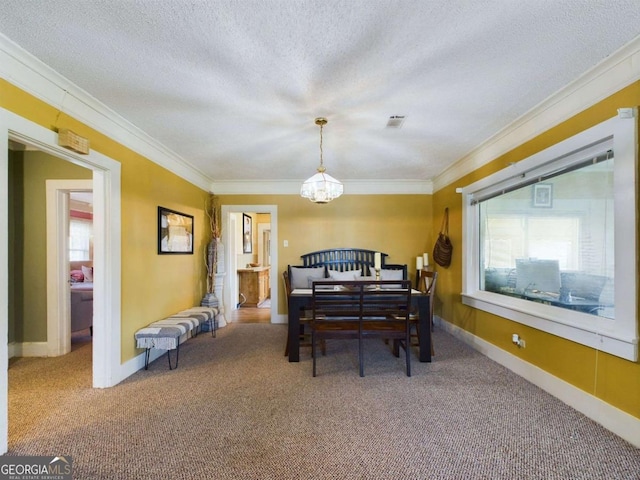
(247, 234)
(543, 195)
(175, 232)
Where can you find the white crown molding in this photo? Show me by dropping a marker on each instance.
(28, 73)
(351, 187)
(617, 71)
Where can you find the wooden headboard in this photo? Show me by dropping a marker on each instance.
(343, 259)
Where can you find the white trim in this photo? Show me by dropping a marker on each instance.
(613, 419)
(615, 72)
(4, 282)
(33, 76)
(228, 237)
(28, 349)
(58, 312)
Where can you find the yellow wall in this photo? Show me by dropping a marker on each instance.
(612, 379)
(399, 225)
(153, 286)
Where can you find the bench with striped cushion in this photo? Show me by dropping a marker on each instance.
(167, 334)
(204, 315)
(162, 337)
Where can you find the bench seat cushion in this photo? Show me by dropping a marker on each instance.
(200, 317)
(211, 312)
(160, 337)
(184, 324)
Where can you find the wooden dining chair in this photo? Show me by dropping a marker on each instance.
(305, 318)
(427, 285)
(386, 314)
(359, 310)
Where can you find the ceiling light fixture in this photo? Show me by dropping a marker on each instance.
(322, 187)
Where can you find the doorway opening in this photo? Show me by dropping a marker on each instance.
(80, 254)
(251, 288)
(106, 367)
(70, 292)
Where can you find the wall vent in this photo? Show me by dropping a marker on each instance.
(395, 121)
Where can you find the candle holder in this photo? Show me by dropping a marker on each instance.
(377, 278)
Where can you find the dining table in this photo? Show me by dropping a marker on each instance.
(301, 298)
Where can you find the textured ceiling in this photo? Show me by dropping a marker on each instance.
(233, 86)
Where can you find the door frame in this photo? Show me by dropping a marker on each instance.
(106, 344)
(58, 309)
(262, 227)
(230, 253)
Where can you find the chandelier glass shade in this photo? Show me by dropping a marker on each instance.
(321, 187)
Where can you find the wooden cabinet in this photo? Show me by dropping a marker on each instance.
(254, 285)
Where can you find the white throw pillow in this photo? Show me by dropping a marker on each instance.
(392, 275)
(300, 275)
(346, 275)
(88, 273)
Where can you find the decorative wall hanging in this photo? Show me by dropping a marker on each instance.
(175, 232)
(247, 234)
(443, 248)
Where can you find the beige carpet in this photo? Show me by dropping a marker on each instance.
(237, 409)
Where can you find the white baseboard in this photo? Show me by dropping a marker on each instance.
(613, 419)
(28, 349)
(137, 363)
(130, 367)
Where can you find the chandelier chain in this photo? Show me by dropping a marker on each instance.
(321, 161)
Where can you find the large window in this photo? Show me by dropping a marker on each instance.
(551, 241)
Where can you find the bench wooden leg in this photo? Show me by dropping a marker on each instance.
(146, 358)
(177, 355)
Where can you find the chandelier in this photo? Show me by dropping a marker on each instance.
(322, 187)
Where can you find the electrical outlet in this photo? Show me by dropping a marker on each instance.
(515, 338)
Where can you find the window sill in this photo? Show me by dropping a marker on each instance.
(585, 329)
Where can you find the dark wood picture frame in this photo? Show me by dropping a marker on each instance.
(175, 232)
(247, 233)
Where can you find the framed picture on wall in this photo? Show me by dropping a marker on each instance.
(175, 232)
(543, 195)
(247, 234)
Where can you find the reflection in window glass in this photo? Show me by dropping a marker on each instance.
(552, 241)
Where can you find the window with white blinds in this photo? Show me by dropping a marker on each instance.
(80, 238)
(550, 241)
